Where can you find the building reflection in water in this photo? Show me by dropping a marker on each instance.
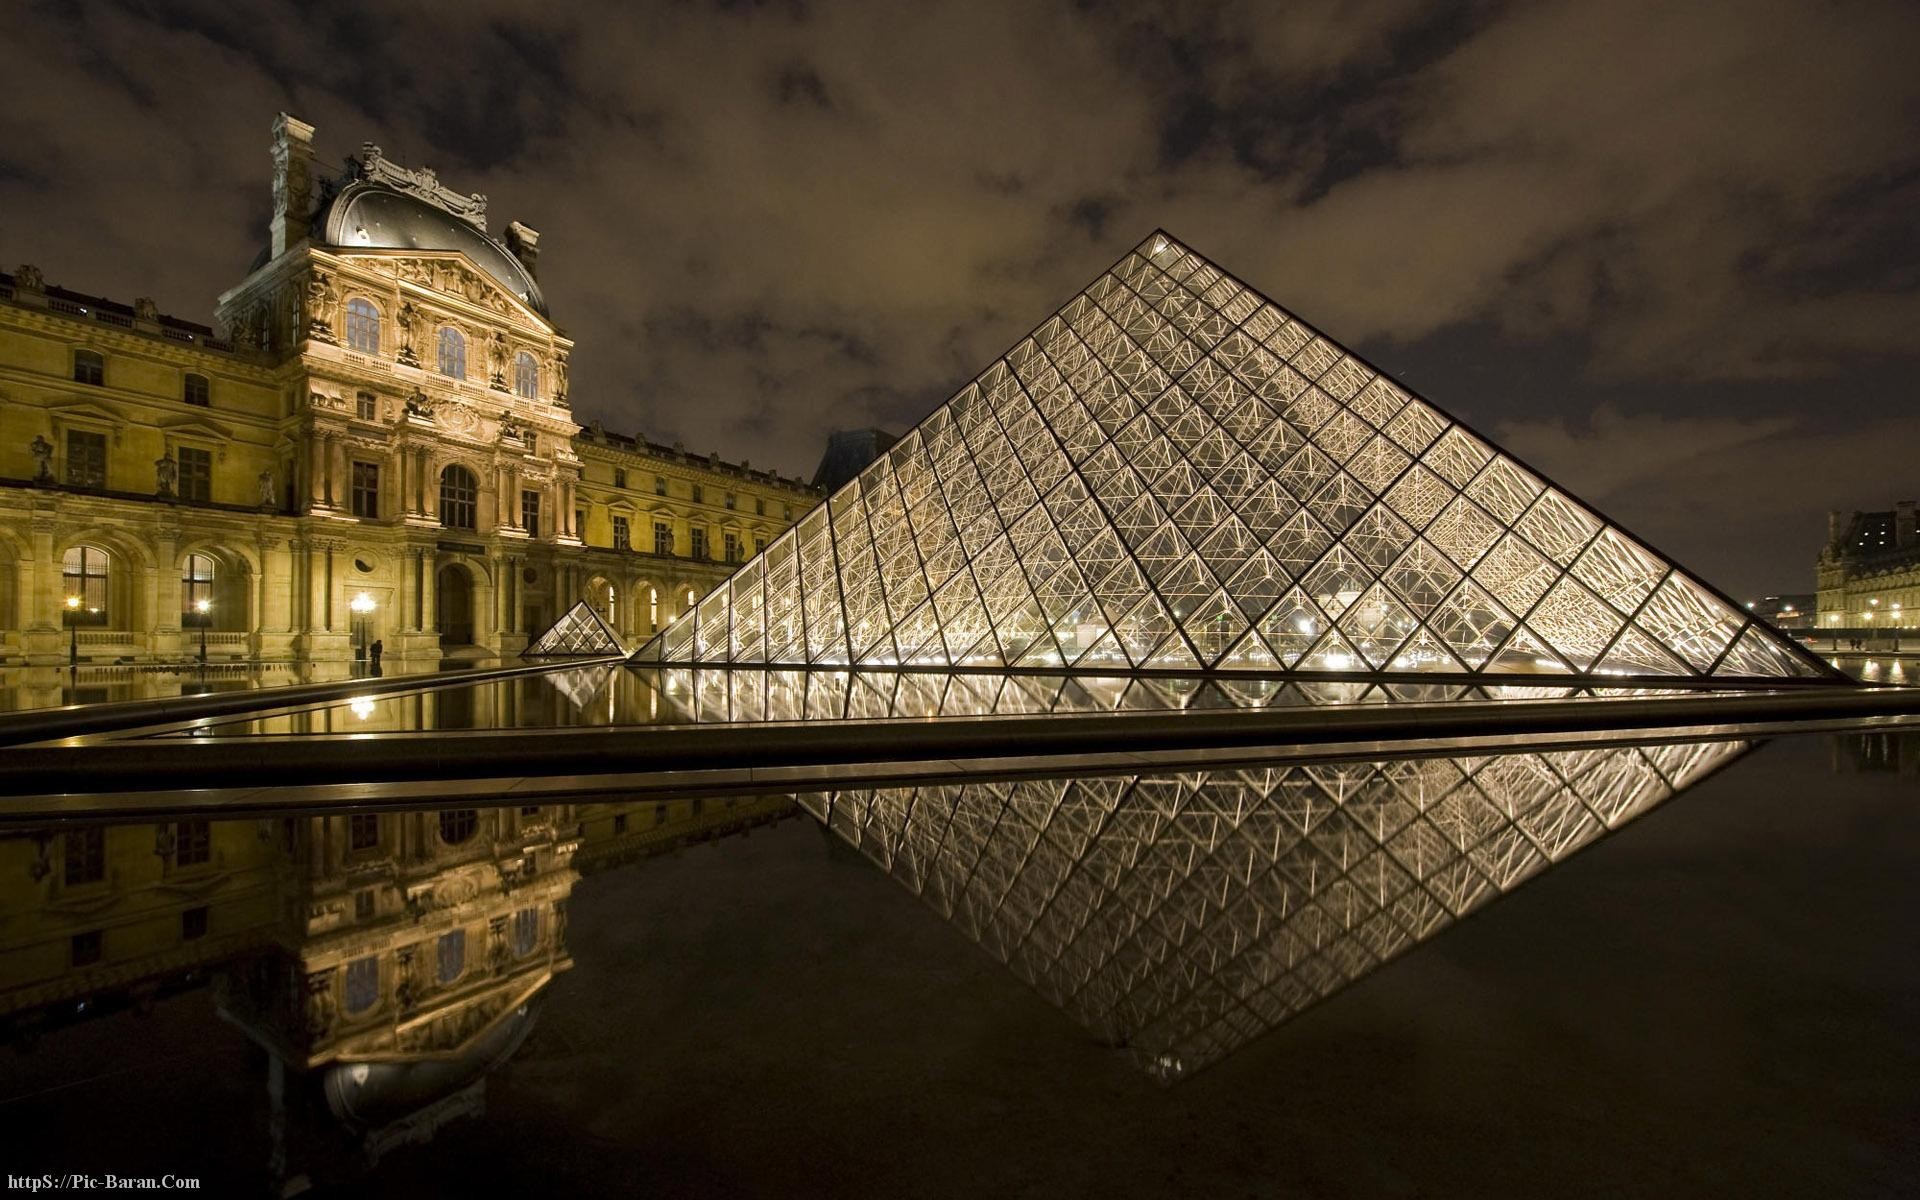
(1180, 915)
(1878, 752)
(384, 963)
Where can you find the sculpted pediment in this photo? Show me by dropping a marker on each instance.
(87, 409)
(450, 273)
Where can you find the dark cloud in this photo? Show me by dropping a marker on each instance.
(1598, 227)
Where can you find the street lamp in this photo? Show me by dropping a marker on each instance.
(73, 631)
(203, 607)
(362, 607)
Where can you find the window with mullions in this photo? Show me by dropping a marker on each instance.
(459, 498)
(732, 548)
(458, 824)
(85, 852)
(363, 326)
(526, 931)
(619, 477)
(662, 538)
(363, 984)
(453, 353)
(195, 390)
(86, 458)
(363, 831)
(196, 474)
(530, 513)
(526, 375)
(699, 547)
(89, 367)
(192, 843)
(196, 585)
(365, 406)
(451, 956)
(620, 534)
(366, 489)
(84, 573)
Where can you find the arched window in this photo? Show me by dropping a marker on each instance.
(459, 498)
(526, 375)
(453, 353)
(452, 956)
(84, 578)
(196, 585)
(653, 610)
(363, 326)
(458, 824)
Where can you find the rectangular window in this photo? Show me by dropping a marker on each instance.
(194, 390)
(366, 489)
(192, 843)
(530, 513)
(619, 477)
(699, 494)
(699, 548)
(662, 538)
(89, 367)
(659, 485)
(86, 856)
(733, 547)
(193, 923)
(733, 501)
(364, 406)
(86, 948)
(620, 534)
(759, 545)
(196, 474)
(363, 831)
(580, 522)
(363, 983)
(619, 822)
(363, 905)
(526, 931)
(86, 458)
(759, 506)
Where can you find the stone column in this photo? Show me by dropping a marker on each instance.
(316, 470)
(429, 490)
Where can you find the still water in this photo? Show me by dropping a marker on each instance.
(1198, 982)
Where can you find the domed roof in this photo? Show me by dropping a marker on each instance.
(369, 215)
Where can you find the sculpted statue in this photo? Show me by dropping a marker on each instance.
(42, 459)
(321, 299)
(497, 359)
(267, 498)
(408, 319)
(419, 406)
(560, 379)
(144, 309)
(165, 472)
(28, 278)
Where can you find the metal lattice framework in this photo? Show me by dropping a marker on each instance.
(1174, 473)
(1183, 914)
(580, 632)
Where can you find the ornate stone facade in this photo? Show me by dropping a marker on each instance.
(381, 447)
(1869, 577)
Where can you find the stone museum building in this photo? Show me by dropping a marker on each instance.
(376, 444)
(1869, 573)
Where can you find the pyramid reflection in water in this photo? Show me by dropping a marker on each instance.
(1173, 473)
(1182, 914)
(579, 633)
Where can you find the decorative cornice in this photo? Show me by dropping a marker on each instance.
(374, 167)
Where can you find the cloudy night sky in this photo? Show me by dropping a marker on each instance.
(1664, 251)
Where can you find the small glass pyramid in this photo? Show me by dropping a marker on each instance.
(580, 632)
(1173, 473)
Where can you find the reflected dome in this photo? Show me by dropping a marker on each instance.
(371, 216)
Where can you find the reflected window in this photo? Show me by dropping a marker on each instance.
(193, 923)
(85, 948)
(363, 326)
(526, 931)
(192, 843)
(458, 824)
(196, 585)
(84, 573)
(451, 956)
(363, 984)
(526, 375)
(453, 354)
(89, 367)
(363, 831)
(85, 852)
(459, 498)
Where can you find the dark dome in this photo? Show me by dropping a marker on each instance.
(369, 215)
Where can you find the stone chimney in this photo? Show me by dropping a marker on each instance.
(1836, 527)
(292, 182)
(524, 241)
(1905, 532)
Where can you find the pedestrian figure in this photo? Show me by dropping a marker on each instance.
(376, 649)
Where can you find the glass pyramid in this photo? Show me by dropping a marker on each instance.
(1173, 473)
(1181, 915)
(579, 632)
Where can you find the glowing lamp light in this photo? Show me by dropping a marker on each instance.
(361, 604)
(73, 604)
(362, 707)
(202, 606)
